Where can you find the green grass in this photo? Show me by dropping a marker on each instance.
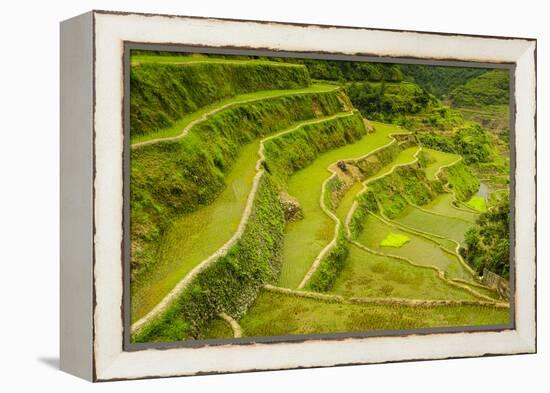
(177, 128)
(304, 239)
(218, 328)
(477, 203)
(395, 240)
(448, 227)
(484, 291)
(141, 59)
(404, 157)
(370, 275)
(276, 314)
(442, 204)
(439, 159)
(161, 93)
(419, 249)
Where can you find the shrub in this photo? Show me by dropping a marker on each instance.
(331, 265)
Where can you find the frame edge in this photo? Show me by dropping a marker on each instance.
(76, 196)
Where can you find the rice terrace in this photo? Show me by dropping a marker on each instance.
(287, 196)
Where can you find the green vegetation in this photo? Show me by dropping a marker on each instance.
(343, 71)
(162, 93)
(324, 277)
(461, 180)
(276, 314)
(395, 240)
(440, 80)
(437, 160)
(487, 89)
(495, 118)
(477, 203)
(193, 237)
(471, 141)
(444, 204)
(419, 249)
(405, 185)
(182, 123)
(371, 275)
(247, 171)
(170, 58)
(232, 283)
(388, 101)
(488, 243)
(305, 239)
(169, 180)
(218, 328)
(421, 220)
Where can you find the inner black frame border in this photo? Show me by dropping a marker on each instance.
(128, 46)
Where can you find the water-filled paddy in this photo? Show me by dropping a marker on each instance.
(370, 275)
(304, 239)
(443, 204)
(419, 249)
(449, 227)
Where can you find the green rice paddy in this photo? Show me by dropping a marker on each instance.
(304, 239)
(370, 275)
(194, 237)
(401, 258)
(394, 240)
(439, 159)
(477, 203)
(188, 60)
(419, 249)
(276, 314)
(449, 227)
(443, 204)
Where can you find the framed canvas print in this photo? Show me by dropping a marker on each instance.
(246, 195)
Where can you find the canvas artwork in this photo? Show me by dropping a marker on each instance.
(278, 197)
(250, 195)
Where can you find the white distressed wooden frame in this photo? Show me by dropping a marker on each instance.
(92, 198)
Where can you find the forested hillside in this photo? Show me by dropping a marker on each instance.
(491, 88)
(439, 80)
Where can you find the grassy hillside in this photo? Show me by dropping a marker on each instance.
(162, 93)
(347, 71)
(487, 89)
(439, 80)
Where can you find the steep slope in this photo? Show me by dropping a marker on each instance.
(162, 93)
